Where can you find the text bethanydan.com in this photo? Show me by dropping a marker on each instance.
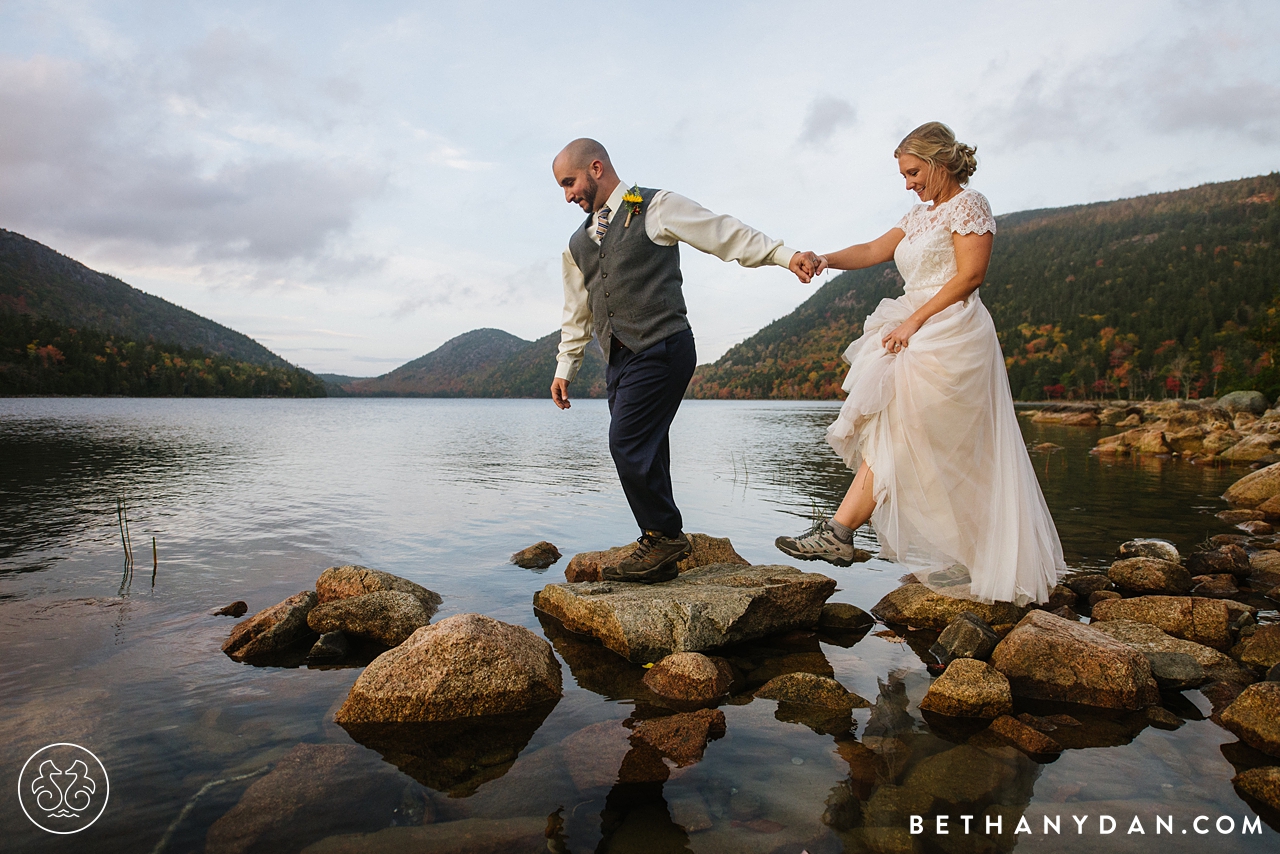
(943, 825)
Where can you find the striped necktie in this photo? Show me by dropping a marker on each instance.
(602, 222)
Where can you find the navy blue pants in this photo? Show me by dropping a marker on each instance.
(645, 390)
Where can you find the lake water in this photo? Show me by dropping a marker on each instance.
(253, 499)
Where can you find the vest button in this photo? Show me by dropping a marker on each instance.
(606, 293)
(604, 275)
(611, 314)
(601, 254)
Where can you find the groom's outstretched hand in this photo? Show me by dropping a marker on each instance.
(560, 392)
(805, 265)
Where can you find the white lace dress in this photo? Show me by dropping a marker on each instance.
(957, 500)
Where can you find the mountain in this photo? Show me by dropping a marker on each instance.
(68, 330)
(1171, 294)
(479, 363)
(37, 281)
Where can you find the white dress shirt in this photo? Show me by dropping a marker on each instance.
(669, 218)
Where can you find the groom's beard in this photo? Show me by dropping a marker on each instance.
(593, 190)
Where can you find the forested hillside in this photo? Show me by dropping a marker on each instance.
(37, 281)
(40, 356)
(1173, 294)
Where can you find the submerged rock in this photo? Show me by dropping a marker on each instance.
(843, 617)
(1024, 737)
(1149, 547)
(331, 645)
(537, 556)
(1049, 658)
(689, 677)
(342, 582)
(683, 737)
(969, 688)
(967, 636)
(273, 631)
(464, 666)
(314, 790)
(1085, 584)
(1254, 488)
(387, 616)
(1254, 402)
(1150, 575)
(1255, 717)
(917, 605)
(1193, 618)
(707, 551)
(235, 609)
(523, 835)
(809, 689)
(704, 608)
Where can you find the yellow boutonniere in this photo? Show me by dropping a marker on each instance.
(634, 200)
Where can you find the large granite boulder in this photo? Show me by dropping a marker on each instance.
(1048, 658)
(387, 616)
(966, 636)
(707, 550)
(1149, 575)
(1254, 402)
(918, 606)
(704, 608)
(1150, 639)
(464, 666)
(1194, 618)
(1254, 488)
(1255, 717)
(1253, 448)
(1175, 671)
(341, 582)
(969, 688)
(843, 617)
(273, 631)
(689, 677)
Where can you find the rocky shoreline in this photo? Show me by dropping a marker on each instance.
(454, 704)
(1240, 427)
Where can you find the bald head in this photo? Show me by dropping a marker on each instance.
(584, 172)
(580, 153)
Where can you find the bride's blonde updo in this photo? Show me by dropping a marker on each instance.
(935, 144)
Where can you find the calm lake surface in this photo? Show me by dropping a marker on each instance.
(253, 499)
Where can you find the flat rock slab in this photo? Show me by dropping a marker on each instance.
(1049, 658)
(704, 608)
(386, 616)
(918, 606)
(1255, 488)
(707, 551)
(1194, 618)
(969, 688)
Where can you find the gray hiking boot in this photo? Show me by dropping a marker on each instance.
(820, 544)
(653, 561)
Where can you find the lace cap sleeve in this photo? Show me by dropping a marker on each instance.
(971, 214)
(902, 223)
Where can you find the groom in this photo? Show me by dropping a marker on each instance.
(622, 285)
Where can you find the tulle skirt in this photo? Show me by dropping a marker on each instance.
(957, 500)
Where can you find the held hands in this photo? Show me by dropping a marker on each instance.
(807, 265)
(896, 340)
(560, 392)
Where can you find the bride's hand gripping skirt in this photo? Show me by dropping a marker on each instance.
(953, 483)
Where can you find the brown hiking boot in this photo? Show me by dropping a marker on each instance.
(654, 559)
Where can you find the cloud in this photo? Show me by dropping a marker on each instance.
(826, 115)
(75, 162)
(1196, 84)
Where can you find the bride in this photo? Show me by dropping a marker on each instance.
(928, 425)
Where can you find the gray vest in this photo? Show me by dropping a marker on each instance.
(633, 284)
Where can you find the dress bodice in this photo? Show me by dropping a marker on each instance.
(926, 257)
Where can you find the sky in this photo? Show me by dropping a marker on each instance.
(353, 184)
